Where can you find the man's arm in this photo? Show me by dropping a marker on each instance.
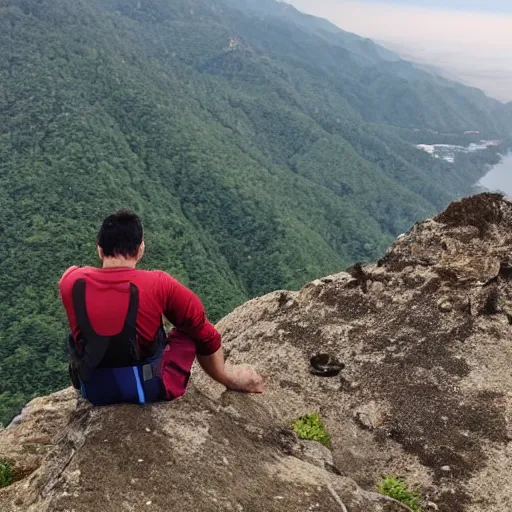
(184, 309)
(186, 312)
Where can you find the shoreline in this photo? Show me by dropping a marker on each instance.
(497, 178)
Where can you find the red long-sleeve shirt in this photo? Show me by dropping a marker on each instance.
(107, 298)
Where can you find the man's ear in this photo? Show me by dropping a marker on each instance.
(100, 252)
(140, 253)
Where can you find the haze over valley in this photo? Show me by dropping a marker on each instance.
(468, 41)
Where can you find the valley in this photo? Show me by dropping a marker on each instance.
(262, 148)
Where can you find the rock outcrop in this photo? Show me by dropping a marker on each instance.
(425, 393)
(192, 455)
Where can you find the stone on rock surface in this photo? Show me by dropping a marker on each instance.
(444, 305)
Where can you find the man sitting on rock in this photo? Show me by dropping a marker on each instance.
(119, 351)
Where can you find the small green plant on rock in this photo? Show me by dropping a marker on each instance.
(397, 489)
(6, 473)
(311, 427)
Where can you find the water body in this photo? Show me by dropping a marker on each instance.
(499, 178)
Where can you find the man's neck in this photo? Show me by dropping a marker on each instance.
(119, 262)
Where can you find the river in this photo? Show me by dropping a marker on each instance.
(499, 178)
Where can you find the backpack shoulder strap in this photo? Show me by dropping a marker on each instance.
(130, 323)
(82, 318)
(92, 346)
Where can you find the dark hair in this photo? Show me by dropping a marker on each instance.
(121, 234)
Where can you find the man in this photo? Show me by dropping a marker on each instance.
(115, 314)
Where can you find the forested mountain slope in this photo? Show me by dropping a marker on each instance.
(261, 149)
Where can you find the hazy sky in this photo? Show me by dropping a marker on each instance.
(470, 39)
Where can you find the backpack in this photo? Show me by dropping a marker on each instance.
(108, 369)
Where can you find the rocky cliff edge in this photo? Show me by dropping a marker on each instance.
(426, 393)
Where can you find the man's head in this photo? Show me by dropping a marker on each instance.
(121, 237)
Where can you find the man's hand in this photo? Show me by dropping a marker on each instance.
(241, 378)
(238, 378)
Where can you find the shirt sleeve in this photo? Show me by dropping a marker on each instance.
(185, 311)
(65, 289)
(65, 280)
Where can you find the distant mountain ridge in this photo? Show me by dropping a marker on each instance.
(370, 54)
(487, 70)
(314, 25)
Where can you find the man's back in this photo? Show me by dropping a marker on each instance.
(107, 298)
